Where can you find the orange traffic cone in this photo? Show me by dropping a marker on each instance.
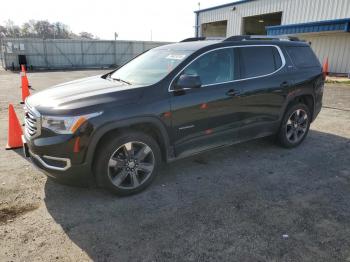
(325, 68)
(24, 78)
(14, 139)
(25, 85)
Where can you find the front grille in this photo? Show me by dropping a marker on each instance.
(32, 122)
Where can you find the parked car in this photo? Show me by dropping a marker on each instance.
(171, 102)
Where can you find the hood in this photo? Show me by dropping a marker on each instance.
(81, 93)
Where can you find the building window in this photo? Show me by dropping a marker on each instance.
(214, 29)
(255, 25)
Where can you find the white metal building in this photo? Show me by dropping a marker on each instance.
(324, 23)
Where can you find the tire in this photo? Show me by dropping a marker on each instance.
(127, 163)
(295, 125)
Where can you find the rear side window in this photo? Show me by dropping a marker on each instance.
(259, 61)
(302, 56)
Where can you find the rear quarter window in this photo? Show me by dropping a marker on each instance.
(259, 61)
(302, 56)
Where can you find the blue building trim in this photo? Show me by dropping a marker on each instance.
(312, 27)
(224, 5)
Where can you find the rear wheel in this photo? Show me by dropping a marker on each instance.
(295, 125)
(128, 163)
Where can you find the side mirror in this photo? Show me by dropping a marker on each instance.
(187, 82)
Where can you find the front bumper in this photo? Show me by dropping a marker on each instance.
(53, 163)
(60, 168)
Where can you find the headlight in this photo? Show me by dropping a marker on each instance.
(65, 124)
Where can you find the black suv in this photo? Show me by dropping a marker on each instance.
(171, 102)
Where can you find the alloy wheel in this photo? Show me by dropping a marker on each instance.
(296, 126)
(131, 165)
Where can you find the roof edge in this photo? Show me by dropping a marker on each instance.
(342, 25)
(321, 22)
(224, 5)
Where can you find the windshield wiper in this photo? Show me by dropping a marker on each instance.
(121, 80)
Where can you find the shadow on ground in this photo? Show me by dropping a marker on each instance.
(232, 204)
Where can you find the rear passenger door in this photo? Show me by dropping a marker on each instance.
(263, 83)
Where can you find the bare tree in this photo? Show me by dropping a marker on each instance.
(41, 29)
(3, 31)
(28, 29)
(12, 29)
(86, 35)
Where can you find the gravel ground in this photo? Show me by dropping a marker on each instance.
(249, 202)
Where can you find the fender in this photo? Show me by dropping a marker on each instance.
(297, 93)
(101, 131)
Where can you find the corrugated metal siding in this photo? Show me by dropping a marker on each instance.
(334, 46)
(294, 11)
(62, 53)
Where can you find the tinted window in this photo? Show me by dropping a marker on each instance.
(277, 58)
(151, 66)
(259, 61)
(302, 56)
(214, 67)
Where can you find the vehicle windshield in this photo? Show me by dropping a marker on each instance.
(150, 67)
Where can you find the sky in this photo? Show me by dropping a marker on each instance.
(163, 20)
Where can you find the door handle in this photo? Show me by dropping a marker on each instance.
(285, 84)
(232, 92)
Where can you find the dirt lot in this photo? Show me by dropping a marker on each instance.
(249, 202)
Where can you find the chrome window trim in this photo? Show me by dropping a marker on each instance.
(283, 59)
(66, 160)
(186, 127)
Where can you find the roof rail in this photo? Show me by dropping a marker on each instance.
(237, 38)
(261, 37)
(244, 38)
(193, 39)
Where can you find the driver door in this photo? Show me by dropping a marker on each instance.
(200, 116)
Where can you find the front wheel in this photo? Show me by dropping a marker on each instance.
(128, 163)
(295, 125)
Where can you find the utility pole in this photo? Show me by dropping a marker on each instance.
(151, 34)
(197, 26)
(115, 36)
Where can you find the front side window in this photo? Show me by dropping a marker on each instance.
(214, 67)
(150, 67)
(259, 61)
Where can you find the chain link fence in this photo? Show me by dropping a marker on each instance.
(70, 54)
